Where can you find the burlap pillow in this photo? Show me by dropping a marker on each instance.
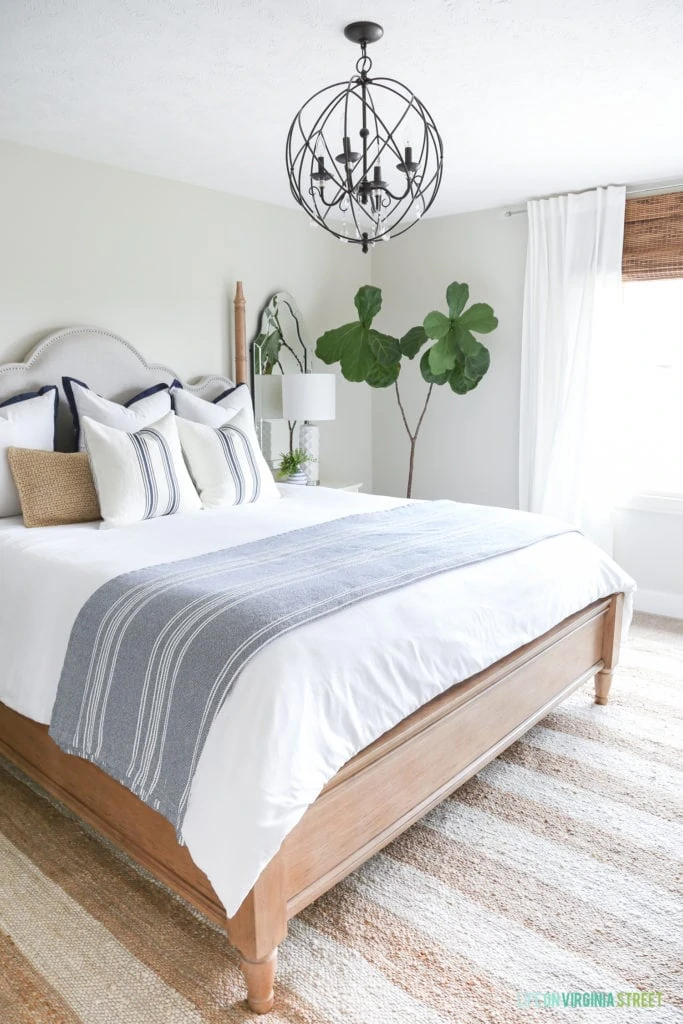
(55, 488)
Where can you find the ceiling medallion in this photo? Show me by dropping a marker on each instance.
(364, 157)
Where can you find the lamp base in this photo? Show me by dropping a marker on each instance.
(309, 440)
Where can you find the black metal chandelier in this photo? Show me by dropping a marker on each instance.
(342, 143)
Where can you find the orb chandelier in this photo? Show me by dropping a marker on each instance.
(364, 157)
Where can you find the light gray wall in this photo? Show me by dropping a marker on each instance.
(467, 447)
(156, 262)
(649, 545)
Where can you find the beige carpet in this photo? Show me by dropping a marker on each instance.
(553, 871)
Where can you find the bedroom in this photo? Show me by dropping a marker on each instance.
(143, 173)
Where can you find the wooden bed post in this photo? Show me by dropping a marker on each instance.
(610, 649)
(256, 930)
(241, 367)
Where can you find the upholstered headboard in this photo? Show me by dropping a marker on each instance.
(107, 364)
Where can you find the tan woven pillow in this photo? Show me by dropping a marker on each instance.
(55, 488)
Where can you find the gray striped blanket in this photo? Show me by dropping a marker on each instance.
(154, 653)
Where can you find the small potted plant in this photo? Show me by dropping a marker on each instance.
(291, 470)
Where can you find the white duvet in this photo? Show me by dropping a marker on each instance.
(315, 697)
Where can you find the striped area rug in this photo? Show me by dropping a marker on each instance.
(553, 871)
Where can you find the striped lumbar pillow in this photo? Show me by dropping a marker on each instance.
(139, 475)
(226, 462)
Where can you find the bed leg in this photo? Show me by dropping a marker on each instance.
(603, 681)
(256, 930)
(259, 976)
(610, 649)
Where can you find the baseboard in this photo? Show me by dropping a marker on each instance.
(659, 602)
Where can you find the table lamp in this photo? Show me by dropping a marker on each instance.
(309, 397)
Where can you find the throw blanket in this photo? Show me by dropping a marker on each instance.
(154, 653)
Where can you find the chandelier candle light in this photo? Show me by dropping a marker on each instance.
(341, 146)
(306, 397)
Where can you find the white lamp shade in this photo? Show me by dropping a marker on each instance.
(308, 396)
(268, 394)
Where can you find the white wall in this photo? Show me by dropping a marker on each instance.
(467, 447)
(156, 262)
(649, 545)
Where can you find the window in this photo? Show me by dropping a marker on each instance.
(654, 400)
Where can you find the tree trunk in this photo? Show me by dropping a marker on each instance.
(409, 489)
(411, 435)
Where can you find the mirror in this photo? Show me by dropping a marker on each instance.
(280, 347)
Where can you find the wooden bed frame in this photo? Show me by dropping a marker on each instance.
(371, 800)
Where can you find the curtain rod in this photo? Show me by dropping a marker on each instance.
(635, 190)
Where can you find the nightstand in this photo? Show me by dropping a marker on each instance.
(335, 485)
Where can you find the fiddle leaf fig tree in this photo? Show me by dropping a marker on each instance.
(454, 357)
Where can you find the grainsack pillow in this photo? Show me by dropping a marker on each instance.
(226, 462)
(141, 410)
(139, 475)
(26, 421)
(55, 488)
(216, 412)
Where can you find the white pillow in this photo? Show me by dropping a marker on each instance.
(226, 462)
(141, 410)
(140, 475)
(215, 413)
(26, 421)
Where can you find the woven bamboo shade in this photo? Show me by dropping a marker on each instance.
(653, 238)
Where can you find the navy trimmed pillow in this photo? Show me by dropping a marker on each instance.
(139, 411)
(26, 421)
(216, 412)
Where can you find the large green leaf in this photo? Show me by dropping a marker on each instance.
(436, 325)
(460, 382)
(425, 370)
(347, 345)
(456, 297)
(383, 376)
(442, 356)
(368, 302)
(331, 345)
(480, 318)
(477, 363)
(357, 358)
(385, 349)
(467, 343)
(411, 342)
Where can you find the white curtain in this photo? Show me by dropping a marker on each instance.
(570, 441)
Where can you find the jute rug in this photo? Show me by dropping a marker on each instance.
(549, 879)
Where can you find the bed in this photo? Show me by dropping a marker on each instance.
(309, 800)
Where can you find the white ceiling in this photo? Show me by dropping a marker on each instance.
(531, 96)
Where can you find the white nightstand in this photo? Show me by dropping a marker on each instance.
(341, 486)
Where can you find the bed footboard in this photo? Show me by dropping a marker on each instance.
(371, 800)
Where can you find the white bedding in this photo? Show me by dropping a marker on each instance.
(312, 699)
